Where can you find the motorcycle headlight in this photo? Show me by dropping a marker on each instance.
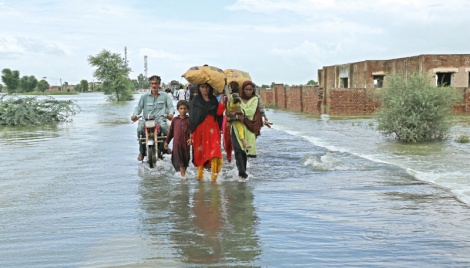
(150, 124)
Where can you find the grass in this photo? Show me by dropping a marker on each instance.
(463, 139)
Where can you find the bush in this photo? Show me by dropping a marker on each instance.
(32, 111)
(463, 139)
(415, 111)
(119, 90)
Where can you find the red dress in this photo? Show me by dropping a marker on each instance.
(206, 140)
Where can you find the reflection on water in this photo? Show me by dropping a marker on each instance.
(28, 134)
(205, 223)
(322, 193)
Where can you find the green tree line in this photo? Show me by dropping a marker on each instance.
(13, 83)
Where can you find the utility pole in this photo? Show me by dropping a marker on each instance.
(145, 66)
(125, 55)
(61, 87)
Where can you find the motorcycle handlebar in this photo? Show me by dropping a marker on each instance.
(142, 117)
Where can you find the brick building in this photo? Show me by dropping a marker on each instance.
(69, 88)
(354, 88)
(350, 88)
(452, 70)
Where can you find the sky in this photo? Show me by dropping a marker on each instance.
(280, 41)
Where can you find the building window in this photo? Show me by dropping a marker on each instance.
(443, 79)
(343, 83)
(378, 81)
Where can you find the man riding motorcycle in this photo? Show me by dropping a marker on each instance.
(157, 103)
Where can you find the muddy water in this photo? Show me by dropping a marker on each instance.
(322, 192)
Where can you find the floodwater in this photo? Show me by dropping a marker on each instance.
(323, 192)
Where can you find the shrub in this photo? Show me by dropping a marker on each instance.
(463, 139)
(32, 111)
(415, 111)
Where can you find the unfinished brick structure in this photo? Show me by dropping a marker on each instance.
(354, 88)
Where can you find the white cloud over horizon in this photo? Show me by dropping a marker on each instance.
(274, 40)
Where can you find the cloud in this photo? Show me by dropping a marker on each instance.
(10, 44)
(27, 45)
(333, 26)
(417, 10)
(283, 40)
(160, 54)
(305, 49)
(308, 6)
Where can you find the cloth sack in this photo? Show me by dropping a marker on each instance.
(237, 75)
(206, 74)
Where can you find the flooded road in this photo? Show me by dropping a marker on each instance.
(324, 193)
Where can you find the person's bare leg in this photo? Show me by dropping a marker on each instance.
(183, 172)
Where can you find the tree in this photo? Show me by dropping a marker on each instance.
(43, 85)
(91, 86)
(113, 71)
(312, 83)
(1, 87)
(84, 85)
(95, 86)
(28, 83)
(143, 81)
(11, 79)
(78, 88)
(413, 110)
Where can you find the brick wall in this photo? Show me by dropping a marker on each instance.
(467, 100)
(360, 96)
(267, 96)
(464, 106)
(351, 101)
(280, 96)
(294, 98)
(310, 99)
(347, 102)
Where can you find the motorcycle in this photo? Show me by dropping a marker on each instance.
(152, 139)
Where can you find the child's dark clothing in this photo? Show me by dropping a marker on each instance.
(179, 132)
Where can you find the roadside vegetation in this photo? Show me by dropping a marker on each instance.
(24, 111)
(463, 139)
(113, 71)
(413, 110)
(13, 84)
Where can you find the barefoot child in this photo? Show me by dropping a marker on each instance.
(233, 106)
(179, 132)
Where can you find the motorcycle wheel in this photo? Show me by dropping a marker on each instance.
(155, 155)
(151, 156)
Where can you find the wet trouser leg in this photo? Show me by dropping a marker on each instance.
(161, 148)
(240, 157)
(141, 133)
(216, 166)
